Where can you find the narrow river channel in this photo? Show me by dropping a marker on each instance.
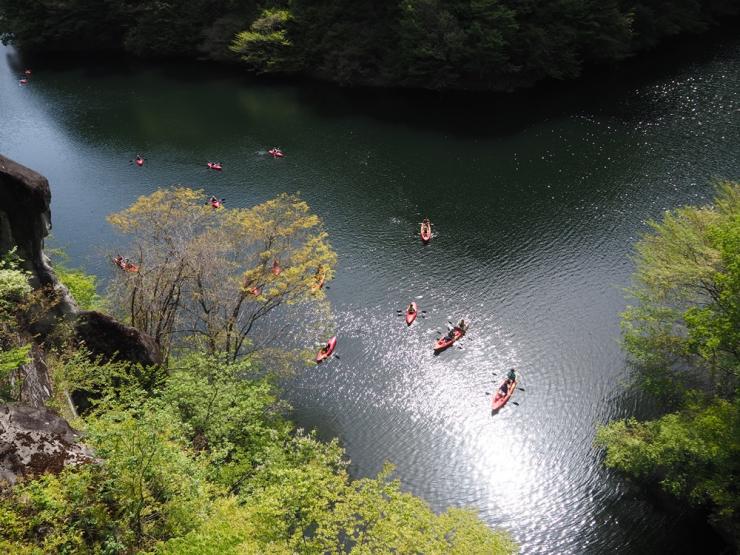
(537, 201)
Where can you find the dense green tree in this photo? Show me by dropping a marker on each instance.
(687, 283)
(439, 44)
(684, 340)
(206, 463)
(209, 274)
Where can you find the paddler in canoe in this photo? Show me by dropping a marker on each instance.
(460, 328)
(510, 382)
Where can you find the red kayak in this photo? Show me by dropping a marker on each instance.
(276, 269)
(139, 162)
(275, 153)
(320, 278)
(27, 72)
(214, 166)
(501, 398)
(125, 266)
(326, 352)
(23, 81)
(411, 316)
(443, 343)
(426, 232)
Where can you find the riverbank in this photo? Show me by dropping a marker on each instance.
(448, 46)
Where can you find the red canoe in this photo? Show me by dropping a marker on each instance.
(500, 399)
(214, 166)
(326, 352)
(426, 232)
(444, 343)
(126, 267)
(320, 278)
(411, 316)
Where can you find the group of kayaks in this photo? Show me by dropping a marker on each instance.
(216, 166)
(503, 394)
(505, 390)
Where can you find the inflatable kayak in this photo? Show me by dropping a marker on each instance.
(125, 266)
(426, 232)
(326, 352)
(500, 398)
(275, 153)
(276, 269)
(320, 278)
(411, 316)
(214, 166)
(443, 342)
(139, 162)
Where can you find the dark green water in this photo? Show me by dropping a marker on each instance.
(537, 201)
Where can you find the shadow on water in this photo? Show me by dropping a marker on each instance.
(461, 114)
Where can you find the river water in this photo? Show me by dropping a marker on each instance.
(537, 200)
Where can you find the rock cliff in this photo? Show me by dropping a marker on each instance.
(33, 439)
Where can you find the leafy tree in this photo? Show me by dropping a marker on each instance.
(693, 454)
(207, 274)
(687, 283)
(266, 45)
(683, 338)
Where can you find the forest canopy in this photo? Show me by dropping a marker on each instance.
(435, 44)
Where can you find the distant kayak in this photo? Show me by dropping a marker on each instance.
(326, 352)
(320, 278)
(23, 81)
(500, 399)
(411, 316)
(215, 203)
(139, 161)
(27, 72)
(275, 153)
(124, 265)
(276, 269)
(426, 232)
(215, 166)
(443, 342)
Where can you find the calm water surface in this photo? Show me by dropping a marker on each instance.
(536, 200)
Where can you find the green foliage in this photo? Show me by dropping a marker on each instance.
(450, 44)
(207, 275)
(82, 287)
(206, 463)
(266, 46)
(146, 489)
(685, 334)
(236, 420)
(694, 454)
(687, 283)
(11, 360)
(14, 288)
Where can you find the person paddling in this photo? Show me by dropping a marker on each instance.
(411, 309)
